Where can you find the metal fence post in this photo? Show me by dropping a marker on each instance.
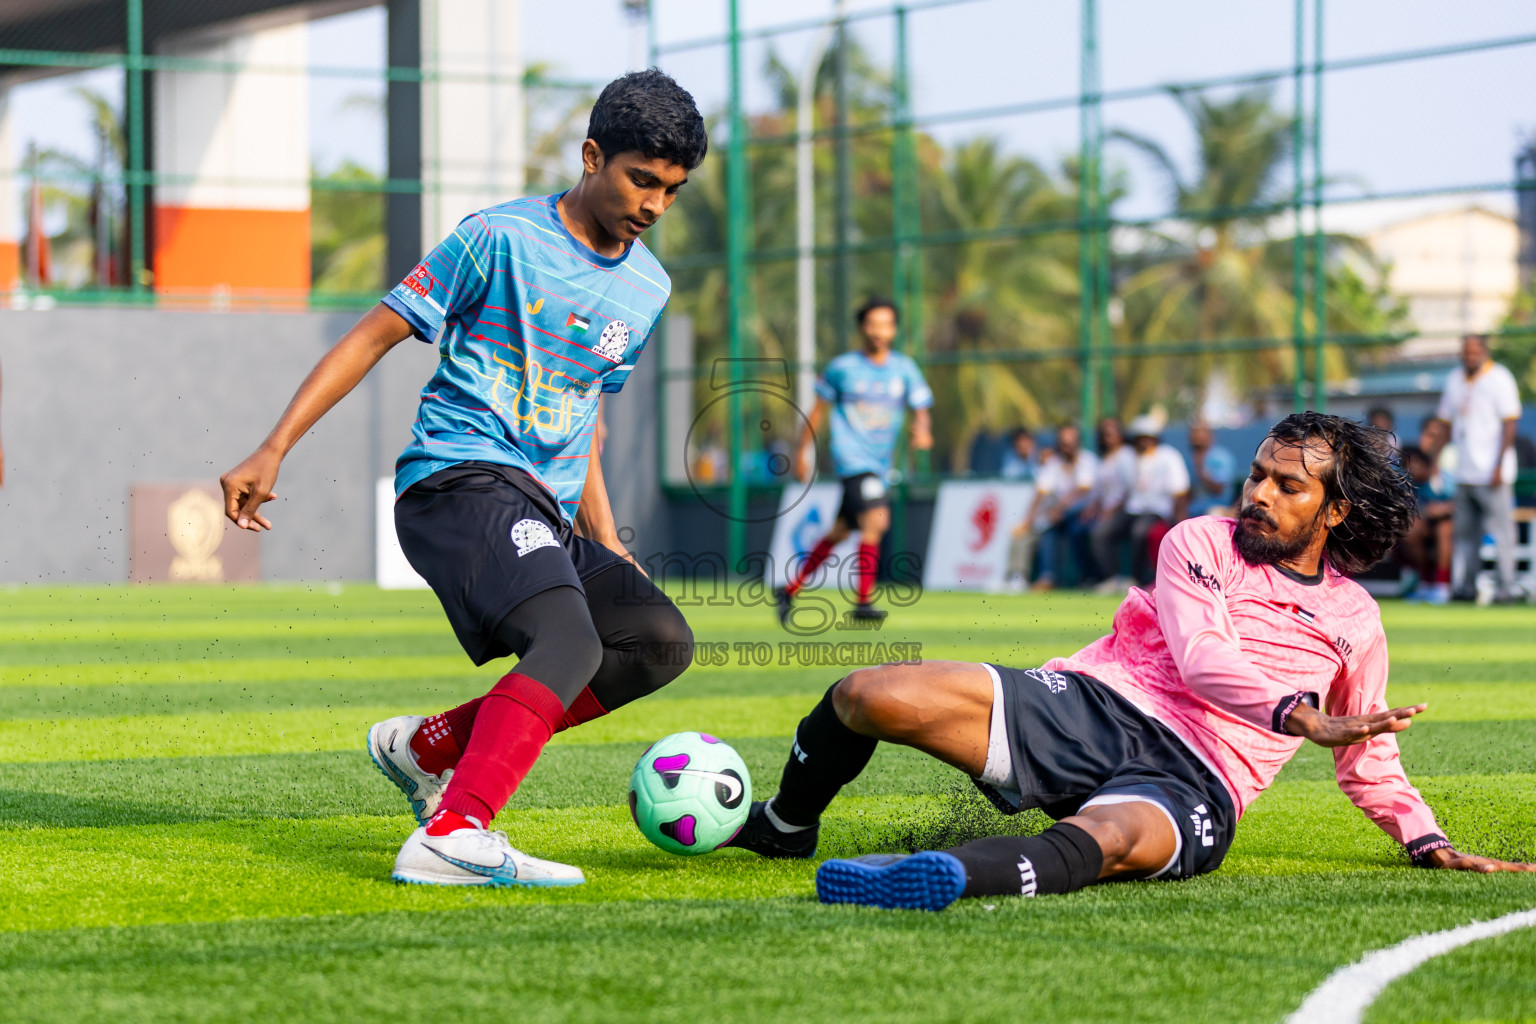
(1298, 244)
(137, 255)
(1319, 269)
(1087, 234)
(736, 275)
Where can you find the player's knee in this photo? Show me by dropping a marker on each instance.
(582, 651)
(862, 700)
(669, 640)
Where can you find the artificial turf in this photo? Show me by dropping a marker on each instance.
(190, 830)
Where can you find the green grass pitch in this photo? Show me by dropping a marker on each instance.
(190, 829)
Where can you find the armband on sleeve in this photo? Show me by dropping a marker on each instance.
(1288, 705)
(1420, 849)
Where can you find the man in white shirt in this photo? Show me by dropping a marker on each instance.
(1158, 497)
(1061, 490)
(1482, 404)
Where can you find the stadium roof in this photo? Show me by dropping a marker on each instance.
(88, 26)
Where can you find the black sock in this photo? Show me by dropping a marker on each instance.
(1063, 858)
(827, 755)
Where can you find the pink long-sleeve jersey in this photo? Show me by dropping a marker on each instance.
(1222, 652)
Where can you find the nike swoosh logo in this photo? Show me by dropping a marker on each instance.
(392, 736)
(533, 307)
(487, 871)
(730, 782)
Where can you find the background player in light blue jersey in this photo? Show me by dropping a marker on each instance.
(868, 393)
(536, 307)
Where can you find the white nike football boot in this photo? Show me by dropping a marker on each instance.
(389, 744)
(473, 856)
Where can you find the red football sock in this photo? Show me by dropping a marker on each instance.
(583, 709)
(514, 722)
(440, 741)
(444, 822)
(865, 569)
(812, 562)
(1443, 575)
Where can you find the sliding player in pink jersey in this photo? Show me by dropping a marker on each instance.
(1148, 744)
(536, 307)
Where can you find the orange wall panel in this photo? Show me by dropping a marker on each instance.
(244, 250)
(10, 265)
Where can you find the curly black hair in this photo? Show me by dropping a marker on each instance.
(649, 112)
(1362, 471)
(873, 303)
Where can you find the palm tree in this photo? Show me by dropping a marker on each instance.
(1017, 293)
(1219, 274)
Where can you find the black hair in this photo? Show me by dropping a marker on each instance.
(648, 112)
(1413, 451)
(1381, 410)
(1019, 432)
(873, 303)
(1362, 472)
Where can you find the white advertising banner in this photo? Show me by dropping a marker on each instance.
(972, 524)
(391, 570)
(805, 515)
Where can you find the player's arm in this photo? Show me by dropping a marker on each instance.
(920, 398)
(250, 483)
(922, 429)
(805, 447)
(1370, 770)
(594, 516)
(1195, 565)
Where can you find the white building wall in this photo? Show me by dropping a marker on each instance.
(243, 137)
(472, 130)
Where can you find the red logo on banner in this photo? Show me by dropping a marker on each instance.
(985, 521)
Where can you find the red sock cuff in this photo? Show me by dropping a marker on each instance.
(461, 720)
(813, 560)
(583, 709)
(531, 694)
(867, 568)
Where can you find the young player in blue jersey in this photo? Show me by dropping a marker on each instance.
(536, 307)
(868, 393)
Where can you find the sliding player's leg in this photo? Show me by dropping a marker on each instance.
(1131, 801)
(941, 708)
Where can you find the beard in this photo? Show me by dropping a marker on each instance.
(1257, 549)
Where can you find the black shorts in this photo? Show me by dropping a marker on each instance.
(1074, 741)
(486, 538)
(862, 492)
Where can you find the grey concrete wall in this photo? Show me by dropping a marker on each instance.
(95, 400)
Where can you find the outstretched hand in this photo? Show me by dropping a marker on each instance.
(1453, 861)
(248, 486)
(1340, 731)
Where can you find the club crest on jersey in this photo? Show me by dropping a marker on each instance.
(421, 281)
(530, 535)
(1054, 681)
(613, 341)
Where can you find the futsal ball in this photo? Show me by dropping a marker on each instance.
(690, 793)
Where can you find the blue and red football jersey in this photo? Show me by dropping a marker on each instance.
(869, 402)
(530, 326)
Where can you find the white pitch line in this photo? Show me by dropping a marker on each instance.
(1346, 994)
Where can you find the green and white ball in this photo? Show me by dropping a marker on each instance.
(690, 793)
